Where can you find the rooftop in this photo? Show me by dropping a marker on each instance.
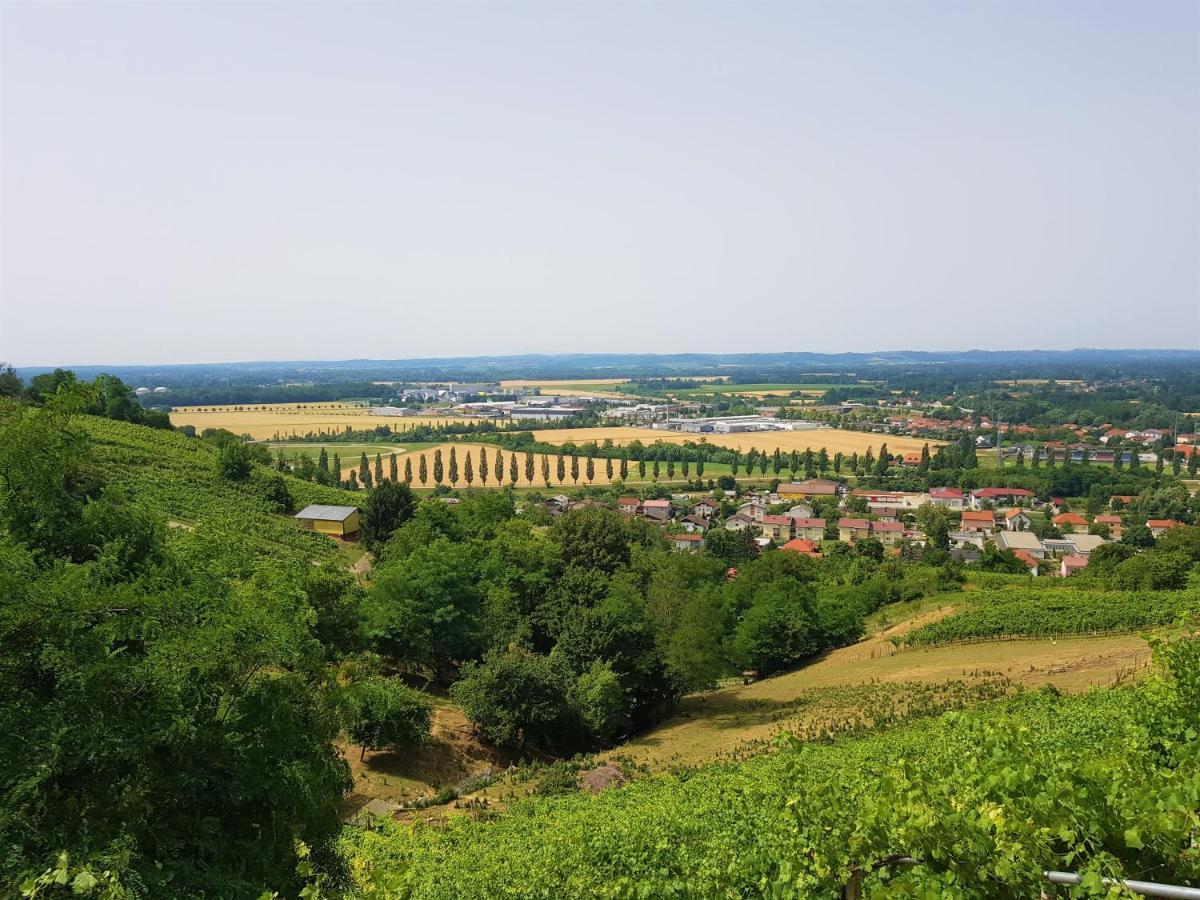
(326, 513)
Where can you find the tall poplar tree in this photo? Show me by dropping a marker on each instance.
(500, 466)
(560, 469)
(468, 471)
(452, 468)
(423, 470)
(483, 465)
(364, 468)
(575, 469)
(700, 466)
(546, 469)
(393, 472)
(513, 469)
(608, 468)
(529, 466)
(590, 471)
(438, 471)
(624, 467)
(337, 468)
(322, 459)
(408, 470)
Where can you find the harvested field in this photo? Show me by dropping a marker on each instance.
(264, 422)
(832, 439)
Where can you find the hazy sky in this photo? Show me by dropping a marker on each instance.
(227, 181)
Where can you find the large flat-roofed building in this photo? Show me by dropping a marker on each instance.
(337, 521)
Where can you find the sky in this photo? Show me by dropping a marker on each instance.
(221, 181)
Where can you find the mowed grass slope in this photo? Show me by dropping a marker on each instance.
(832, 439)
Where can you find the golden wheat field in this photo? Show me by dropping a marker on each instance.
(832, 439)
(264, 422)
(462, 451)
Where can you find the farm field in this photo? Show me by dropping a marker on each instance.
(267, 422)
(763, 389)
(585, 387)
(832, 439)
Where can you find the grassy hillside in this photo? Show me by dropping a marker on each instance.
(176, 478)
(987, 797)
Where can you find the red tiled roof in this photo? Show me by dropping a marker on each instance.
(809, 523)
(946, 493)
(1069, 519)
(800, 545)
(1074, 562)
(1013, 513)
(854, 523)
(1025, 557)
(1108, 520)
(691, 538)
(887, 526)
(992, 492)
(1162, 523)
(982, 515)
(776, 520)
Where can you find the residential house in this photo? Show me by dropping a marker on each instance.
(887, 514)
(1072, 564)
(851, 530)
(889, 533)
(1070, 522)
(1029, 559)
(1021, 540)
(809, 529)
(810, 488)
(777, 528)
(966, 538)
(656, 510)
(805, 547)
(1159, 526)
(995, 495)
(753, 509)
(686, 541)
(695, 524)
(978, 520)
(949, 497)
(1017, 519)
(335, 521)
(800, 511)
(628, 505)
(705, 508)
(739, 522)
(1115, 526)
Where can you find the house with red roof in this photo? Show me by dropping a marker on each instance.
(805, 547)
(851, 530)
(809, 529)
(1070, 522)
(686, 541)
(949, 497)
(777, 528)
(888, 532)
(1026, 557)
(1158, 526)
(995, 495)
(978, 520)
(656, 510)
(1016, 519)
(1072, 564)
(1115, 526)
(628, 505)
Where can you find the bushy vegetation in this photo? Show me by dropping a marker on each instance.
(1106, 783)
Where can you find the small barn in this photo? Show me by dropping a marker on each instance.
(337, 521)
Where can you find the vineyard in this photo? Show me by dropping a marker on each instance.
(985, 799)
(175, 477)
(1045, 613)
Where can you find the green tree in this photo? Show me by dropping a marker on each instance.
(528, 467)
(513, 471)
(468, 471)
(437, 466)
(388, 506)
(452, 468)
(516, 699)
(364, 469)
(574, 469)
(592, 538)
(408, 472)
(233, 461)
(483, 466)
(624, 470)
(500, 466)
(393, 468)
(590, 471)
(423, 470)
(561, 469)
(378, 468)
(546, 469)
(384, 713)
